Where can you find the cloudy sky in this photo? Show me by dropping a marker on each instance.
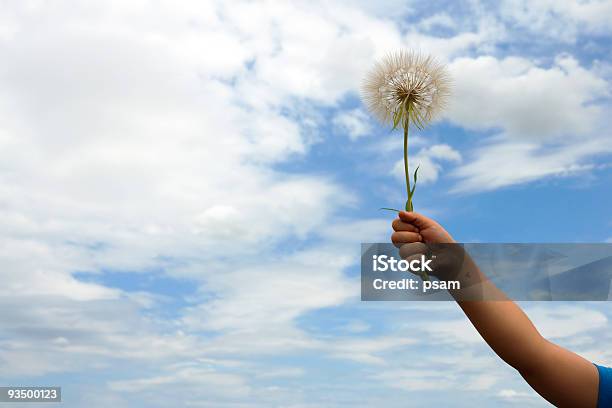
(184, 186)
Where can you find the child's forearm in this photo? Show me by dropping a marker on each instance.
(507, 330)
(559, 375)
(500, 322)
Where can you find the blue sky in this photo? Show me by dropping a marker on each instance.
(185, 187)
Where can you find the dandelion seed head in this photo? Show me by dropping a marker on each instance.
(409, 80)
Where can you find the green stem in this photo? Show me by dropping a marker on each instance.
(409, 201)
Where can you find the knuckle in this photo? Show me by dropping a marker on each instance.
(402, 237)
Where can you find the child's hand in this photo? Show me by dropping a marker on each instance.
(416, 236)
(413, 227)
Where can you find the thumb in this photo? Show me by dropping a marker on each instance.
(416, 219)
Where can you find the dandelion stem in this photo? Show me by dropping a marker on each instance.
(407, 173)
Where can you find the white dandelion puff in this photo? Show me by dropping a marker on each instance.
(407, 88)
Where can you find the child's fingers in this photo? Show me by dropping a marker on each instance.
(417, 219)
(405, 237)
(412, 250)
(399, 225)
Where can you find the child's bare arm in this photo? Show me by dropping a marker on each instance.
(562, 377)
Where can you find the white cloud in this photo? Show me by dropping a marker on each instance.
(510, 394)
(524, 100)
(354, 123)
(428, 159)
(368, 350)
(269, 291)
(482, 382)
(501, 164)
(565, 321)
(189, 378)
(453, 331)
(132, 136)
(561, 20)
(481, 34)
(48, 334)
(437, 20)
(311, 45)
(418, 379)
(547, 119)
